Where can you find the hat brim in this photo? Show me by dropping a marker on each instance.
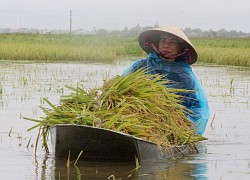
(153, 36)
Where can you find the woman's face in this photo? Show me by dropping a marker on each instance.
(169, 46)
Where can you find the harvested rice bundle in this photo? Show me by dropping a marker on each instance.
(138, 104)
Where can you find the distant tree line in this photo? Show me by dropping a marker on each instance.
(211, 33)
(134, 31)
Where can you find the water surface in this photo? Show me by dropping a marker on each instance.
(23, 85)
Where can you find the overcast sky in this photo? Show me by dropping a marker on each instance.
(117, 14)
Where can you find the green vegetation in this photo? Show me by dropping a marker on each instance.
(224, 51)
(66, 47)
(138, 104)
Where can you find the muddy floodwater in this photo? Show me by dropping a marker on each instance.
(23, 85)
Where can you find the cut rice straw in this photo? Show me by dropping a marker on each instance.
(138, 104)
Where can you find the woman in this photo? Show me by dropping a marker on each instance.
(170, 53)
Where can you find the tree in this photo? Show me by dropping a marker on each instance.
(135, 31)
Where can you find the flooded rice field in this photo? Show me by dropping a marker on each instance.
(23, 85)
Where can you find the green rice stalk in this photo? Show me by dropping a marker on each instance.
(138, 104)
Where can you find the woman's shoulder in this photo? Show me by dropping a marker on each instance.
(134, 66)
(139, 63)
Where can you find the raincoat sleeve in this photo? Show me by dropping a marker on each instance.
(198, 104)
(184, 77)
(195, 101)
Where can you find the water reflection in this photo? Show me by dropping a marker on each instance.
(182, 168)
(24, 85)
(97, 170)
(106, 170)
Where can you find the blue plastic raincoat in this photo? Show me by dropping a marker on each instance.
(181, 73)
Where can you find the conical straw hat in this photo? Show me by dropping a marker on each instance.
(153, 35)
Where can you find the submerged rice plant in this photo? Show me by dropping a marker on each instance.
(138, 104)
